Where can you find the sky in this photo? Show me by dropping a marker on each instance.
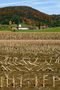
(46, 6)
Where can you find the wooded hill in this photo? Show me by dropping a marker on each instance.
(28, 15)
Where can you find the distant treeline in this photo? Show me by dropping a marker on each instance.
(28, 15)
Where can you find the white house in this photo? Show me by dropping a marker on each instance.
(22, 28)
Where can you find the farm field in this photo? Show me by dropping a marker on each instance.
(29, 60)
(29, 64)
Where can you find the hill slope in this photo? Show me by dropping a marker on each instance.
(24, 14)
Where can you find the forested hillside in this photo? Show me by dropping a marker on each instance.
(28, 15)
(56, 20)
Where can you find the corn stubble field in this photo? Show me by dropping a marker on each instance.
(29, 61)
(29, 35)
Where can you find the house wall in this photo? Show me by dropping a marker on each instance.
(23, 28)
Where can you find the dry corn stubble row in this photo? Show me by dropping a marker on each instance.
(29, 36)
